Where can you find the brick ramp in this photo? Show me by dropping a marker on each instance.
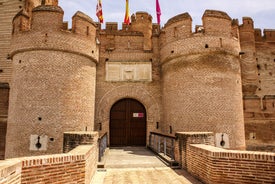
(138, 165)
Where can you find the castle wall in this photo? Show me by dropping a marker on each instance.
(259, 110)
(201, 85)
(7, 11)
(127, 47)
(248, 59)
(53, 83)
(208, 57)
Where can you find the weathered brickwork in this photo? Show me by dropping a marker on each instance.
(53, 84)
(7, 11)
(76, 166)
(215, 165)
(259, 108)
(197, 83)
(205, 68)
(183, 141)
(128, 45)
(74, 139)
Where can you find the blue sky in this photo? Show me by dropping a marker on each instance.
(262, 11)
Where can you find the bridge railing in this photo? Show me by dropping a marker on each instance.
(102, 145)
(163, 145)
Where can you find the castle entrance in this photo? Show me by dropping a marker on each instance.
(128, 123)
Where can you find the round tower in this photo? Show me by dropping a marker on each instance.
(53, 82)
(248, 57)
(201, 80)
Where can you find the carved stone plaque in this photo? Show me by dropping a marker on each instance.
(129, 71)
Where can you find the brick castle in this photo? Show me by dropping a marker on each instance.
(219, 78)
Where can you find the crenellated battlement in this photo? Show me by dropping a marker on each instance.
(44, 29)
(217, 33)
(141, 16)
(268, 35)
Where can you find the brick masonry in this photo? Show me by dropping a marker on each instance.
(77, 166)
(195, 153)
(215, 165)
(64, 70)
(53, 83)
(183, 141)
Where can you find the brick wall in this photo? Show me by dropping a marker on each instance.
(215, 165)
(259, 114)
(190, 82)
(184, 139)
(74, 139)
(7, 11)
(77, 166)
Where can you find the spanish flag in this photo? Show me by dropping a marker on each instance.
(99, 12)
(127, 13)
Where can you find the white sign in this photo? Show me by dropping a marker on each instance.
(138, 115)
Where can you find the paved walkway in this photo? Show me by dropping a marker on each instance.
(138, 165)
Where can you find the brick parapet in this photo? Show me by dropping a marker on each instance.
(267, 37)
(47, 33)
(78, 165)
(216, 165)
(184, 139)
(74, 139)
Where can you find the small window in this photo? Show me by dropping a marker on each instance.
(87, 30)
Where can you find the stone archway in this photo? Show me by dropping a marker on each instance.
(104, 105)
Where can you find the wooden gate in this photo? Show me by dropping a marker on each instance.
(128, 123)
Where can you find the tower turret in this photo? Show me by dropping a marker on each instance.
(53, 82)
(142, 22)
(201, 79)
(217, 23)
(248, 57)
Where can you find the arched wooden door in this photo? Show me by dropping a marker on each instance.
(128, 123)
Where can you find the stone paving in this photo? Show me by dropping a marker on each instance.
(138, 165)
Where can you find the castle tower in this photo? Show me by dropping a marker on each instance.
(248, 57)
(53, 80)
(7, 11)
(142, 22)
(201, 79)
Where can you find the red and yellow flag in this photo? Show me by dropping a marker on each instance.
(99, 12)
(127, 13)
